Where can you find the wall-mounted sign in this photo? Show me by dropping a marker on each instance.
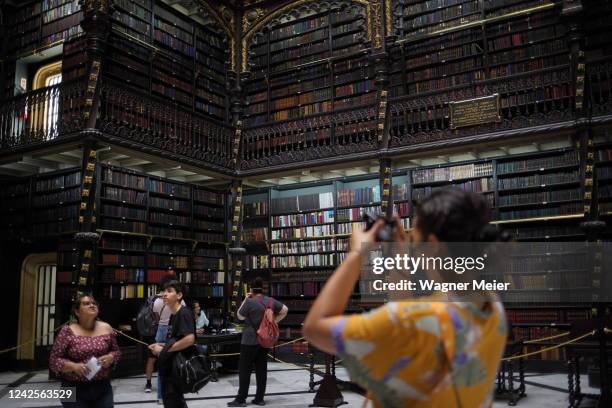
(473, 112)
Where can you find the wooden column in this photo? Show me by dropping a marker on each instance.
(96, 25)
(87, 238)
(236, 252)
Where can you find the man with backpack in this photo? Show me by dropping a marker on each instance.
(258, 335)
(180, 338)
(157, 330)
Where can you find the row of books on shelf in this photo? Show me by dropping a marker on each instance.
(295, 289)
(54, 12)
(563, 209)
(526, 37)
(202, 277)
(122, 275)
(365, 195)
(418, 7)
(303, 232)
(299, 111)
(62, 181)
(554, 263)
(605, 208)
(538, 180)
(540, 197)
(551, 282)
(257, 261)
(56, 214)
(207, 263)
(544, 232)
(171, 219)
(178, 190)
(167, 261)
(445, 70)
(298, 27)
(422, 30)
(255, 234)
(304, 202)
(210, 252)
(121, 194)
(604, 155)
(297, 261)
(206, 291)
(121, 259)
(532, 51)
(402, 209)
(127, 212)
(56, 227)
(447, 82)
(131, 291)
(526, 66)
(604, 172)
(208, 236)
(356, 214)
(62, 29)
(458, 11)
(291, 220)
(481, 185)
(452, 172)
(256, 209)
(123, 225)
(286, 248)
(349, 227)
(568, 158)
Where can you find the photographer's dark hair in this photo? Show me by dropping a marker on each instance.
(257, 285)
(454, 215)
(177, 286)
(76, 303)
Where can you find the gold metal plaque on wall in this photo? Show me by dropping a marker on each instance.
(475, 111)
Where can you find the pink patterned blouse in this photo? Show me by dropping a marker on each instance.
(79, 349)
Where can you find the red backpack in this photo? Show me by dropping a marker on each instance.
(268, 332)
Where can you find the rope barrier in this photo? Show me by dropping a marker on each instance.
(533, 353)
(211, 355)
(33, 340)
(546, 338)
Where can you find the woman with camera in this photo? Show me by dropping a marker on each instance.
(425, 353)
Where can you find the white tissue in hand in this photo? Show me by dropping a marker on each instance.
(94, 366)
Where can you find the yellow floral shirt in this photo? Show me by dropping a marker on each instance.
(400, 353)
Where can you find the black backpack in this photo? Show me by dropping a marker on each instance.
(191, 370)
(147, 321)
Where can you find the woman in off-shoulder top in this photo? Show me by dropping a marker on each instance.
(78, 342)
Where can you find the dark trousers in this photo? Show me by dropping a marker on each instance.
(91, 394)
(172, 395)
(249, 356)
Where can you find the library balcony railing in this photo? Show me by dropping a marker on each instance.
(526, 101)
(325, 136)
(600, 83)
(162, 126)
(41, 116)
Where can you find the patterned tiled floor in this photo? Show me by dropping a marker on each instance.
(287, 388)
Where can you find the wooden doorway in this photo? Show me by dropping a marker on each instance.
(37, 307)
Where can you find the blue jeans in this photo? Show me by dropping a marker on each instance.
(160, 337)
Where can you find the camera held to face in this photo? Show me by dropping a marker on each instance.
(387, 231)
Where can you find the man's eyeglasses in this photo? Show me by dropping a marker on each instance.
(92, 303)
